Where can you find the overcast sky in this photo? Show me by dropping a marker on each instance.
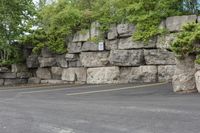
(36, 1)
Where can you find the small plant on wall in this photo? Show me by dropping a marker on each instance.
(187, 41)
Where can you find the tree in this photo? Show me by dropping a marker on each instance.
(14, 16)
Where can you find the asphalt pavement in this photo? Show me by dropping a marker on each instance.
(124, 108)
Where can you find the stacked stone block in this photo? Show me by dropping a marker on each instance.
(17, 74)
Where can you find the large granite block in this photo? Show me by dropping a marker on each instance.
(32, 61)
(89, 46)
(47, 62)
(19, 68)
(103, 75)
(143, 74)
(165, 41)
(56, 72)
(128, 43)
(166, 73)
(43, 73)
(126, 57)
(174, 24)
(111, 44)
(125, 30)
(74, 47)
(94, 59)
(61, 61)
(74, 75)
(159, 57)
(184, 76)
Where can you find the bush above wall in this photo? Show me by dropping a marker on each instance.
(56, 22)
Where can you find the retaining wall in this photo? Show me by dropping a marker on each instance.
(120, 60)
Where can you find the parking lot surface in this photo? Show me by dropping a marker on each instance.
(124, 108)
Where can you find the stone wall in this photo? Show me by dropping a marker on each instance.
(122, 60)
(16, 74)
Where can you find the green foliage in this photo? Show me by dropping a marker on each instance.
(9, 54)
(14, 15)
(187, 40)
(146, 15)
(59, 20)
(55, 23)
(96, 39)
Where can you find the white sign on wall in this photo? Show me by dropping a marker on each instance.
(101, 46)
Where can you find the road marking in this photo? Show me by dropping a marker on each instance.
(117, 89)
(35, 88)
(39, 91)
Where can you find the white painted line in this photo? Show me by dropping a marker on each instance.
(116, 89)
(52, 90)
(34, 88)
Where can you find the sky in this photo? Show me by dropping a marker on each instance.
(36, 1)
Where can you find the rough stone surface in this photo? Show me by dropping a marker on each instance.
(128, 43)
(125, 30)
(112, 33)
(43, 73)
(81, 36)
(61, 61)
(1, 82)
(71, 57)
(184, 79)
(159, 57)
(56, 72)
(146, 74)
(75, 63)
(94, 59)
(197, 78)
(126, 57)
(165, 73)
(89, 46)
(74, 74)
(197, 66)
(95, 32)
(198, 19)
(19, 68)
(24, 75)
(4, 69)
(34, 80)
(15, 81)
(53, 81)
(8, 75)
(74, 47)
(47, 62)
(32, 61)
(46, 53)
(163, 42)
(103, 75)
(111, 44)
(174, 24)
